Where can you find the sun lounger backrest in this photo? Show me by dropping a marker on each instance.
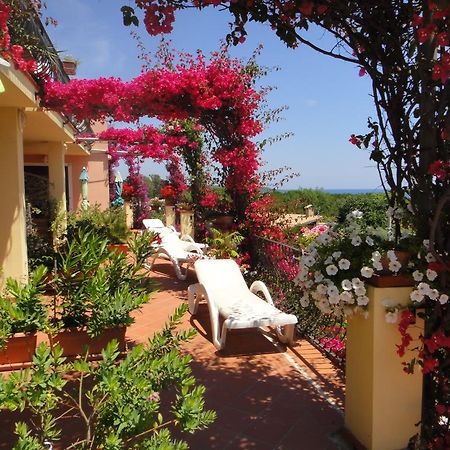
(220, 276)
(153, 223)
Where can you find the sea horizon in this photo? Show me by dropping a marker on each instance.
(340, 190)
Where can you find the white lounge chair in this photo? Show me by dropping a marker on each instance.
(157, 226)
(223, 287)
(169, 235)
(179, 253)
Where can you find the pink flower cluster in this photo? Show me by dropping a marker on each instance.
(14, 53)
(439, 169)
(437, 32)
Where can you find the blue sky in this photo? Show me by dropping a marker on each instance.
(327, 99)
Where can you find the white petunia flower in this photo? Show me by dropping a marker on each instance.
(423, 288)
(332, 290)
(369, 241)
(418, 276)
(391, 255)
(344, 264)
(346, 285)
(324, 238)
(366, 272)
(336, 255)
(334, 299)
(304, 301)
(376, 256)
(360, 290)
(377, 265)
(394, 266)
(416, 296)
(362, 300)
(329, 260)
(356, 282)
(433, 294)
(357, 214)
(321, 289)
(431, 274)
(391, 316)
(308, 260)
(426, 243)
(443, 299)
(356, 241)
(331, 269)
(430, 258)
(309, 284)
(318, 277)
(347, 297)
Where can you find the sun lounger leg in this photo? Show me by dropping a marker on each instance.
(286, 334)
(178, 269)
(193, 298)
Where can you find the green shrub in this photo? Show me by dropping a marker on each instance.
(22, 308)
(374, 207)
(119, 402)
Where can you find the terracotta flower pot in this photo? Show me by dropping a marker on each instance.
(223, 223)
(403, 258)
(19, 349)
(74, 340)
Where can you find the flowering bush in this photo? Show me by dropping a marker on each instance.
(167, 192)
(337, 263)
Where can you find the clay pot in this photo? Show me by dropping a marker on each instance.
(223, 223)
(74, 341)
(19, 349)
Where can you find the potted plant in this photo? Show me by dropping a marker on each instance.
(169, 194)
(22, 314)
(223, 244)
(70, 65)
(97, 290)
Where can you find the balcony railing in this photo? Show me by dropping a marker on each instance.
(43, 52)
(277, 265)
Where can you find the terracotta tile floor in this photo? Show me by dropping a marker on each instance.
(266, 396)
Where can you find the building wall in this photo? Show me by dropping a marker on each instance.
(98, 187)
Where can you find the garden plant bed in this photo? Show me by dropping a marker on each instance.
(18, 352)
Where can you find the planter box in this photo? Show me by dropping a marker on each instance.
(119, 248)
(19, 349)
(74, 341)
(385, 281)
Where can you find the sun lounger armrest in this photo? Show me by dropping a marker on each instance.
(259, 286)
(187, 238)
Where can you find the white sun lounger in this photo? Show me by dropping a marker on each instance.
(169, 235)
(179, 253)
(223, 287)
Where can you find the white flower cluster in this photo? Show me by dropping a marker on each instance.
(343, 298)
(423, 290)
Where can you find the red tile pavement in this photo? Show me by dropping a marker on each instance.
(266, 396)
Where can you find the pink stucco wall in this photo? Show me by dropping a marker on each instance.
(98, 188)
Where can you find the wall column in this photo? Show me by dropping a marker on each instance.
(57, 186)
(13, 242)
(383, 404)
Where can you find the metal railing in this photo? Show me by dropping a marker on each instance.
(277, 264)
(42, 50)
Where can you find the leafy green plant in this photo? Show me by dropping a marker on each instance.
(224, 244)
(119, 402)
(22, 309)
(110, 224)
(99, 288)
